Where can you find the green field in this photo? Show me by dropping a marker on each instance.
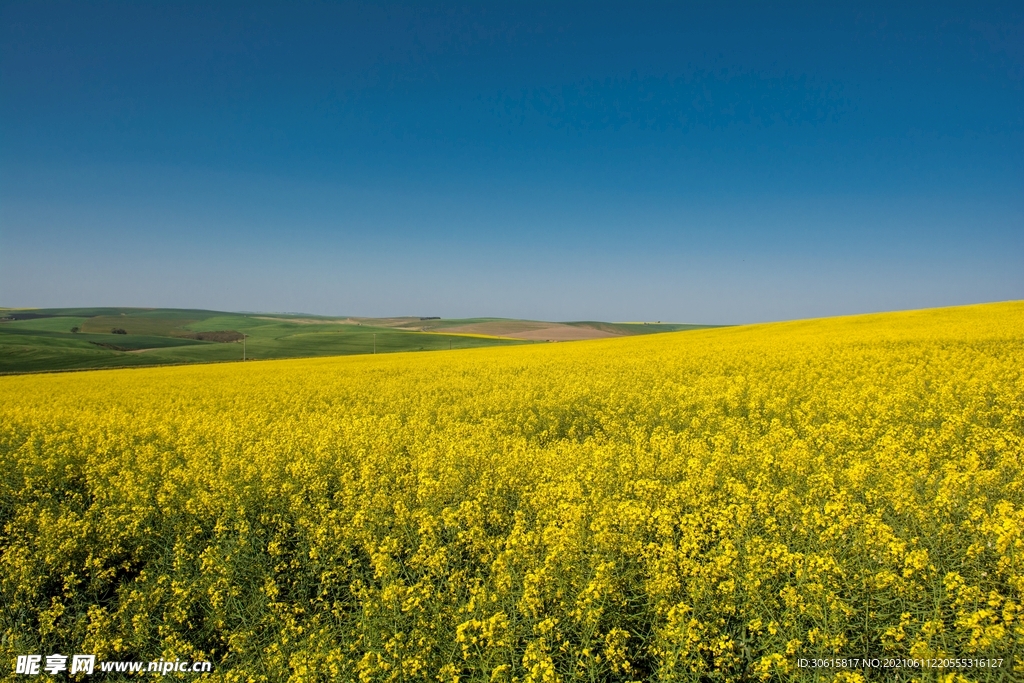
(39, 340)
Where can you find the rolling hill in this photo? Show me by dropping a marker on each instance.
(40, 340)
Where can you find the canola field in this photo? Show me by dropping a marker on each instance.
(721, 505)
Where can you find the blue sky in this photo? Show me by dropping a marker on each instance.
(566, 161)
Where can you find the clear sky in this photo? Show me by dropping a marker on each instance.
(549, 160)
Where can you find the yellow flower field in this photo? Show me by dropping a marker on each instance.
(716, 505)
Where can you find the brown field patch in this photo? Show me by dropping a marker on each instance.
(531, 331)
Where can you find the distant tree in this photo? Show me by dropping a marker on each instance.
(118, 330)
(74, 330)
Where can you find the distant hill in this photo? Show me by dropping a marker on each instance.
(49, 339)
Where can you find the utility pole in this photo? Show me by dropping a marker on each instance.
(374, 343)
(243, 347)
